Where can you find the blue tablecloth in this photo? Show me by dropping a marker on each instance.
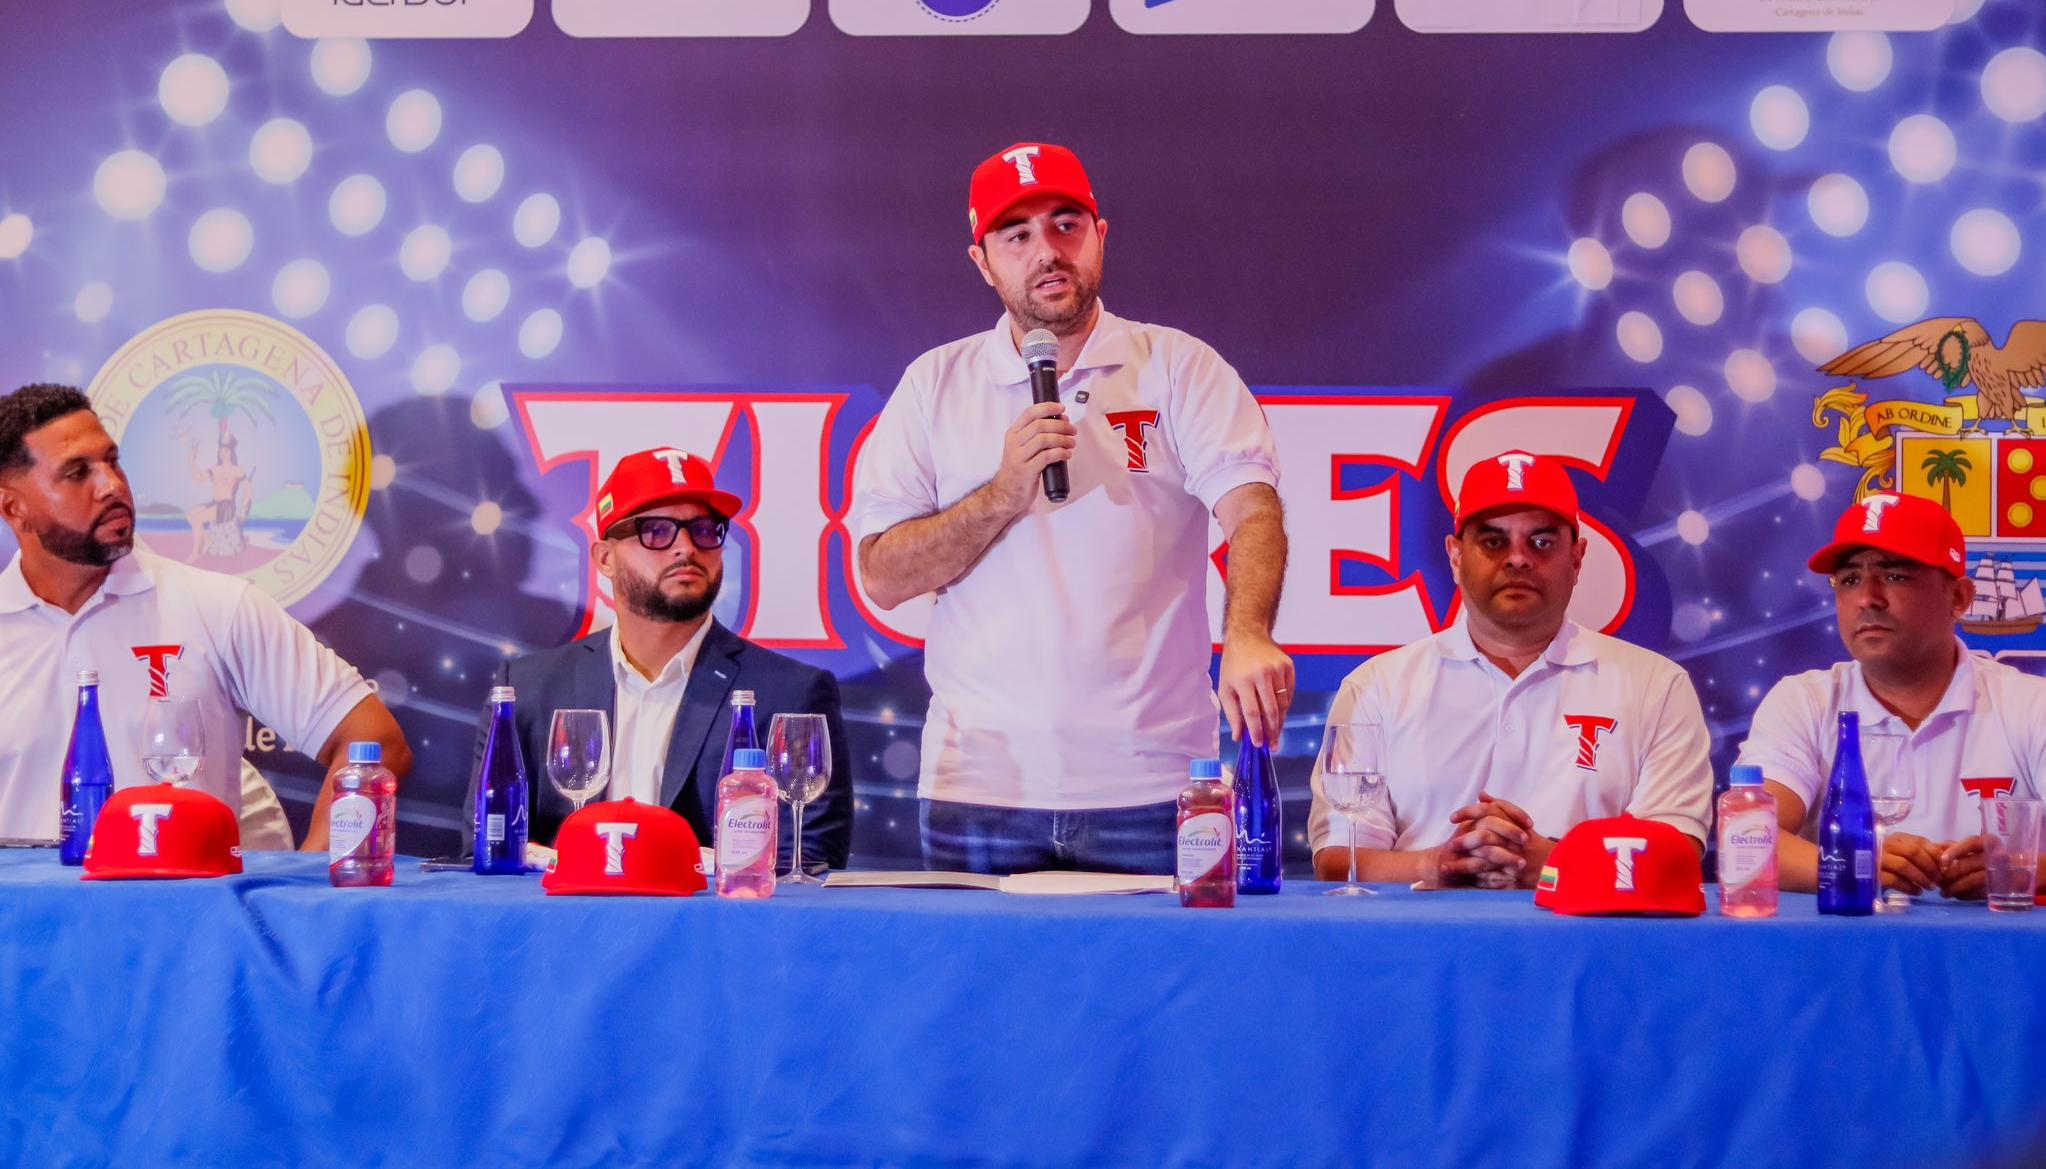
(456, 1022)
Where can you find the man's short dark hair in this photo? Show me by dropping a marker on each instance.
(28, 409)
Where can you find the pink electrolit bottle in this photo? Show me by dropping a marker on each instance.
(747, 827)
(362, 822)
(1747, 846)
(1207, 839)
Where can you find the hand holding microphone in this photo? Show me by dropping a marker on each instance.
(1035, 450)
(1041, 354)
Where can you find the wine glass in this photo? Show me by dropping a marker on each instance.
(1352, 772)
(1890, 793)
(799, 762)
(173, 740)
(579, 754)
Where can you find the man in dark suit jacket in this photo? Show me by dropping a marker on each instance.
(667, 670)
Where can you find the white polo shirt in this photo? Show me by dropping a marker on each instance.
(1595, 727)
(1986, 737)
(643, 720)
(1069, 666)
(224, 643)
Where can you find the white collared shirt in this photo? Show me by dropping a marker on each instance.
(1986, 737)
(1594, 727)
(231, 648)
(643, 720)
(1069, 666)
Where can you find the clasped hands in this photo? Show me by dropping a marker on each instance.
(1957, 868)
(1492, 845)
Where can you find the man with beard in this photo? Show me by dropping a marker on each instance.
(80, 596)
(666, 670)
(1069, 648)
(1513, 725)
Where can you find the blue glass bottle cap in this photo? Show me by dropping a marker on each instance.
(366, 753)
(749, 759)
(1746, 775)
(1204, 769)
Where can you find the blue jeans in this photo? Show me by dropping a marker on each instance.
(975, 838)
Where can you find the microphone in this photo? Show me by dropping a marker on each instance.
(1041, 353)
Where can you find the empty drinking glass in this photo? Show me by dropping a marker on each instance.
(799, 762)
(2010, 846)
(579, 754)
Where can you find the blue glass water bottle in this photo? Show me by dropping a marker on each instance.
(743, 735)
(501, 814)
(1848, 865)
(1260, 835)
(88, 773)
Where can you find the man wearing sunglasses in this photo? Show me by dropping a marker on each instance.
(666, 670)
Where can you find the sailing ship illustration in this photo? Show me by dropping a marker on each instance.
(2000, 606)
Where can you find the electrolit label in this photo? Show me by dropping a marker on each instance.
(1203, 845)
(493, 828)
(745, 833)
(1864, 865)
(1747, 843)
(350, 820)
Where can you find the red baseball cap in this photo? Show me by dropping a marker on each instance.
(160, 831)
(1623, 866)
(660, 476)
(625, 848)
(1516, 479)
(1024, 171)
(1908, 525)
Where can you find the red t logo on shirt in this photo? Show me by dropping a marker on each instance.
(1591, 732)
(1136, 426)
(159, 658)
(1983, 789)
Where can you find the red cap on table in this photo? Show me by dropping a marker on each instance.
(1623, 866)
(1024, 171)
(1907, 525)
(625, 848)
(1516, 480)
(163, 831)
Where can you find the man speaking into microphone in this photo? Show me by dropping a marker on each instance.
(1069, 647)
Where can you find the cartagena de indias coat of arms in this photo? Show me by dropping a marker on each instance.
(246, 447)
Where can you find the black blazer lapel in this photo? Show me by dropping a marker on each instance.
(594, 682)
(703, 700)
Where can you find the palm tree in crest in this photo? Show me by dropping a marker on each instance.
(224, 395)
(1948, 469)
(217, 524)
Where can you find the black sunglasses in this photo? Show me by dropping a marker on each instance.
(657, 532)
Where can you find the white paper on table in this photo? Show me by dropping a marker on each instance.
(1073, 884)
(847, 879)
(1044, 884)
